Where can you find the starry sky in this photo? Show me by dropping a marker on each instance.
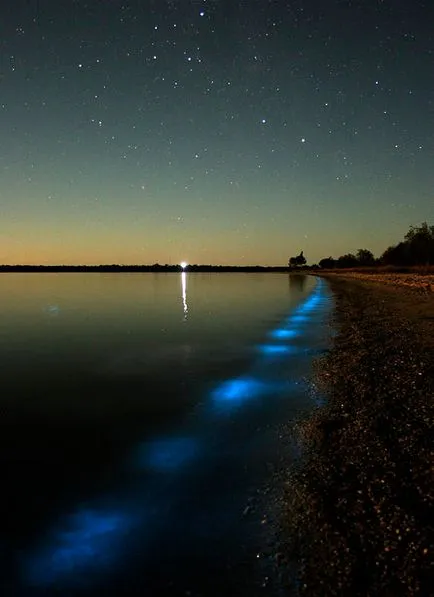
(213, 131)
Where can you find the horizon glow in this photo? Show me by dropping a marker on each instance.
(234, 143)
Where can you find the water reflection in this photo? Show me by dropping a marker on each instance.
(52, 310)
(96, 538)
(184, 294)
(297, 282)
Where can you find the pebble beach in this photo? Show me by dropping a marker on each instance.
(358, 509)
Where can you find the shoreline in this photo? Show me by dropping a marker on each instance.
(421, 282)
(357, 510)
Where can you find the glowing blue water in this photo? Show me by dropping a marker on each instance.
(235, 392)
(94, 540)
(169, 454)
(277, 349)
(89, 540)
(283, 334)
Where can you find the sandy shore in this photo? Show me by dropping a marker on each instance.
(358, 512)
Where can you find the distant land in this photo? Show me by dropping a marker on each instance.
(415, 252)
(140, 268)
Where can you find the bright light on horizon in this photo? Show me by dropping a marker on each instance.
(183, 264)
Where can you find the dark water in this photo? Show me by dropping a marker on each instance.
(139, 414)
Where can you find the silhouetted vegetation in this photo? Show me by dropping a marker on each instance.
(417, 248)
(348, 260)
(327, 263)
(365, 257)
(297, 261)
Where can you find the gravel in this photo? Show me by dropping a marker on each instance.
(358, 510)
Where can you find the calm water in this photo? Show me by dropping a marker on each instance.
(139, 414)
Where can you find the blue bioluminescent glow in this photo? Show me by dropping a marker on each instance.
(169, 454)
(235, 392)
(93, 540)
(90, 541)
(298, 319)
(309, 304)
(276, 349)
(283, 334)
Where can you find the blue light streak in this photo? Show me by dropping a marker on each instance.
(276, 349)
(283, 334)
(169, 455)
(310, 303)
(234, 393)
(298, 319)
(91, 540)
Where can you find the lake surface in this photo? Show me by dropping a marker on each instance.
(140, 413)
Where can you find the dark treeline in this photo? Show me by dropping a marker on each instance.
(139, 268)
(417, 248)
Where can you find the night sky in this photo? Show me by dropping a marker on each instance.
(213, 131)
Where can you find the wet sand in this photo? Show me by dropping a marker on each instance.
(358, 511)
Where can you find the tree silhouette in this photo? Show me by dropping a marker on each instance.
(416, 249)
(297, 261)
(365, 257)
(421, 243)
(396, 255)
(327, 263)
(417, 232)
(348, 260)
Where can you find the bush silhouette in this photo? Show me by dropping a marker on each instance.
(297, 261)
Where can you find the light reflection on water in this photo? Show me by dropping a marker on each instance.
(184, 294)
(93, 541)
